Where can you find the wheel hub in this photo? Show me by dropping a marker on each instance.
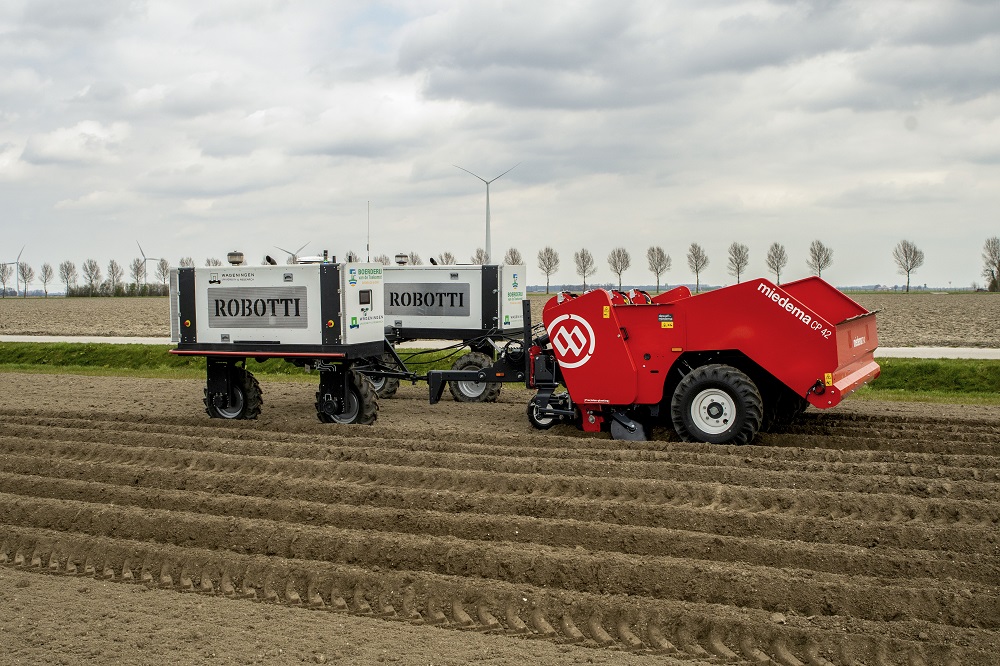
(713, 411)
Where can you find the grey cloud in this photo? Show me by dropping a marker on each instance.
(80, 16)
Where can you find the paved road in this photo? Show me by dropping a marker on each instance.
(889, 352)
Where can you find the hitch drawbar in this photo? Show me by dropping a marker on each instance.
(510, 366)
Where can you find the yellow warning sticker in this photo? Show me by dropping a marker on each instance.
(828, 378)
(666, 324)
(607, 312)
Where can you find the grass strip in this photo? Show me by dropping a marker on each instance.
(938, 380)
(156, 361)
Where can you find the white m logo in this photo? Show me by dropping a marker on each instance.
(573, 339)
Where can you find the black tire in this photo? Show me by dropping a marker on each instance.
(385, 387)
(540, 422)
(717, 404)
(361, 406)
(474, 391)
(247, 399)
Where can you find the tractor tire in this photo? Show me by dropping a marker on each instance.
(717, 404)
(361, 403)
(385, 387)
(474, 391)
(248, 399)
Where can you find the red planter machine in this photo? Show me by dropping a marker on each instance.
(718, 366)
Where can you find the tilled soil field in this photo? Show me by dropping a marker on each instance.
(867, 535)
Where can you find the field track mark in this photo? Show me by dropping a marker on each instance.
(694, 633)
(741, 584)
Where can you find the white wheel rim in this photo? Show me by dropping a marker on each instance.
(713, 411)
(541, 420)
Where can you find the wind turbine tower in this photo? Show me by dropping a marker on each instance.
(145, 273)
(489, 252)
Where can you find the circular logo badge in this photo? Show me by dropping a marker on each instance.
(573, 339)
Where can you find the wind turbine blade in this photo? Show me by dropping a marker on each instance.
(140, 250)
(505, 172)
(284, 250)
(300, 249)
(470, 173)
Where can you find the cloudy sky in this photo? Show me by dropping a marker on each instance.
(199, 127)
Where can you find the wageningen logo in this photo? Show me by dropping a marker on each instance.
(574, 340)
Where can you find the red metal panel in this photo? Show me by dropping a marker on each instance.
(595, 362)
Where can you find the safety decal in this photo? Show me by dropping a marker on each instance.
(666, 320)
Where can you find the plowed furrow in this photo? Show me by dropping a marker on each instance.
(883, 506)
(700, 633)
(678, 459)
(654, 467)
(807, 593)
(830, 558)
(878, 437)
(866, 534)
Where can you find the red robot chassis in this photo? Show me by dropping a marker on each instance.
(719, 366)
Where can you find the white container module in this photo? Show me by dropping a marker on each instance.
(453, 302)
(278, 307)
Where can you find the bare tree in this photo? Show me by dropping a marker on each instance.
(383, 259)
(162, 271)
(415, 259)
(480, 257)
(67, 274)
(513, 257)
(909, 258)
(27, 275)
(137, 271)
(447, 259)
(991, 267)
(659, 262)
(619, 260)
(46, 277)
(820, 258)
(6, 272)
(697, 262)
(351, 256)
(739, 258)
(186, 262)
(548, 263)
(91, 275)
(776, 260)
(212, 261)
(585, 266)
(115, 275)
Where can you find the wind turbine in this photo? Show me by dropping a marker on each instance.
(145, 273)
(293, 255)
(17, 274)
(489, 254)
